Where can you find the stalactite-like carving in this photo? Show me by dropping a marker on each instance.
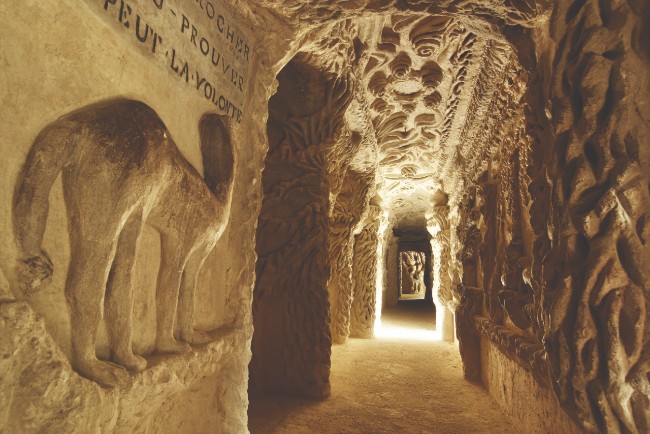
(364, 272)
(292, 341)
(348, 211)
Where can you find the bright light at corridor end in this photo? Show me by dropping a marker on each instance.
(393, 332)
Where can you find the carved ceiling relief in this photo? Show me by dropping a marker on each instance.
(312, 12)
(426, 79)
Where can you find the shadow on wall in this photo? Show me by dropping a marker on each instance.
(120, 169)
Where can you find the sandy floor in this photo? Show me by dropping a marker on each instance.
(389, 385)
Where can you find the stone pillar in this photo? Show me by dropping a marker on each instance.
(391, 290)
(364, 271)
(439, 228)
(292, 343)
(348, 211)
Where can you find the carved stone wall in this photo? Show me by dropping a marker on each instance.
(439, 228)
(364, 273)
(351, 205)
(292, 343)
(391, 280)
(591, 211)
(87, 56)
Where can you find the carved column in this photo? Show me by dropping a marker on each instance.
(364, 272)
(471, 297)
(391, 262)
(439, 228)
(292, 343)
(346, 215)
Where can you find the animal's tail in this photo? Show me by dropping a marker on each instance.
(218, 155)
(49, 153)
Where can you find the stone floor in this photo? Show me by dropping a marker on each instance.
(391, 384)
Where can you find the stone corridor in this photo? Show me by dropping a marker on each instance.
(401, 382)
(209, 200)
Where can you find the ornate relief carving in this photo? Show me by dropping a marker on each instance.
(364, 274)
(292, 342)
(348, 212)
(121, 168)
(439, 228)
(412, 275)
(590, 215)
(310, 12)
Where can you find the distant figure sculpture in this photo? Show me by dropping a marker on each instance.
(121, 168)
(412, 273)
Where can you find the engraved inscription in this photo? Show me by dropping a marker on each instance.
(197, 42)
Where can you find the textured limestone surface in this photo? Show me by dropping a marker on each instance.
(509, 384)
(42, 394)
(508, 137)
(60, 56)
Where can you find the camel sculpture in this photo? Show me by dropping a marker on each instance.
(121, 169)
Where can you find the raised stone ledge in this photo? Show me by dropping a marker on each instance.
(524, 350)
(41, 392)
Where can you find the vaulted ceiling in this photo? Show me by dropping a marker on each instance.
(428, 76)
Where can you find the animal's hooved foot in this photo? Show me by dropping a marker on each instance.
(105, 373)
(172, 346)
(131, 362)
(196, 337)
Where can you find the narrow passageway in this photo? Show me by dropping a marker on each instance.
(396, 383)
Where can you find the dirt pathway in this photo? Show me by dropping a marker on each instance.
(388, 385)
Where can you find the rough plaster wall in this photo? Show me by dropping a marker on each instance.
(77, 60)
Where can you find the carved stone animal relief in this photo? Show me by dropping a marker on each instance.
(121, 169)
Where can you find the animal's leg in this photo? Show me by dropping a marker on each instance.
(169, 280)
(85, 284)
(119, 296)
(186, 300)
